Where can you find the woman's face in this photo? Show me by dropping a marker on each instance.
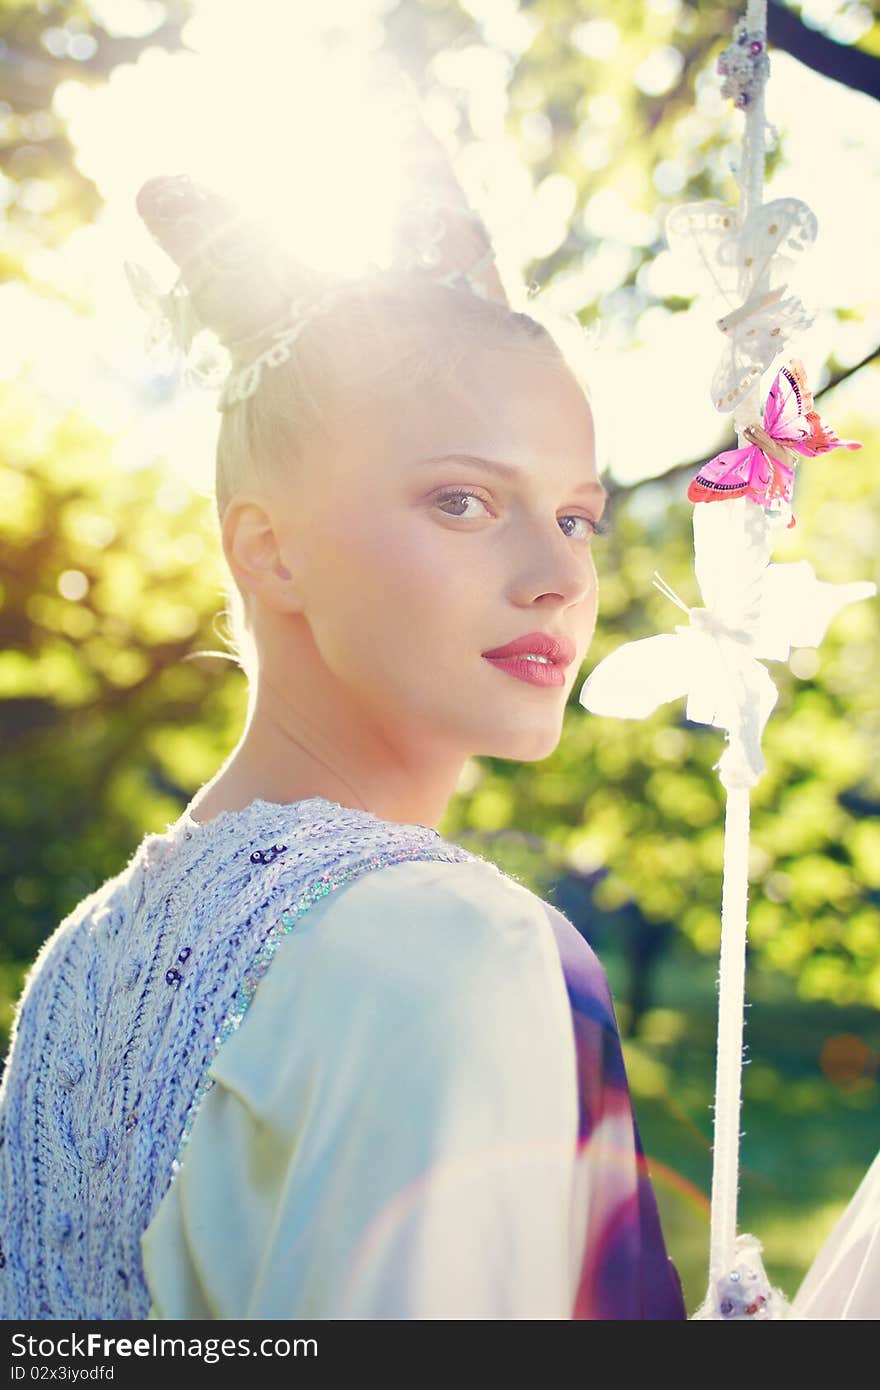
(405, 584)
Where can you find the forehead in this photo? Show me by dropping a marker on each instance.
(521, 403)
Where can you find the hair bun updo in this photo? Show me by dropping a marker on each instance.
(240, 282)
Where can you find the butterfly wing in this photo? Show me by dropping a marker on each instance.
(634, 680)
(774, 236)
(733, 473)
(152, 301)
(753, 696)
(822, 438)
(789, 415)
(708, 697)
(705, 236)
(752, 342)
(739, 369)
(788, 401)
(730, 690)
(732, 256)
(731, 551)
(142, 285)
(172, 322)
(797, 608)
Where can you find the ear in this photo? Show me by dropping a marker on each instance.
(254, 554)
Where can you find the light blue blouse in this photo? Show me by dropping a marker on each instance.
(392, 1132)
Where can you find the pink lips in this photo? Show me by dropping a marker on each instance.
(560, 650)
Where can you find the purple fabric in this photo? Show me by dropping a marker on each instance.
(626, 1272)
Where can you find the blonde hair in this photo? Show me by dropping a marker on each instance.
(403, 332)
(400, 327)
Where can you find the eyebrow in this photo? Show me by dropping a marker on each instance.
(507, 470)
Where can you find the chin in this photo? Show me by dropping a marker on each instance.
(524, 745)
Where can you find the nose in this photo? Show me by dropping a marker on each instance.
(554, 565)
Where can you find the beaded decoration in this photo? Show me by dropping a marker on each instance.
(744, 1292)
(744, 65)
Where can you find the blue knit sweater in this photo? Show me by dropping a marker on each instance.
(121, 1014)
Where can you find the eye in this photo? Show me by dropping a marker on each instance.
(593, 528)
(456, 496)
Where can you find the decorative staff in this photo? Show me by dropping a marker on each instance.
(752, 610)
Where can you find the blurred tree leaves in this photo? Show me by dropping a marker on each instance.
(110, 580)
(45, 194)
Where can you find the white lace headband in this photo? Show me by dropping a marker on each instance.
(243, 383)
(174, 323)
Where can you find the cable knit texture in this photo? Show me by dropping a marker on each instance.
(120, 1016)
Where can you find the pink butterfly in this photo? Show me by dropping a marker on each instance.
(764, 468)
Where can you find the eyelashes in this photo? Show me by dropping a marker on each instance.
(599, 527)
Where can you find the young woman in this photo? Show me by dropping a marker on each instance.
(302, 1057)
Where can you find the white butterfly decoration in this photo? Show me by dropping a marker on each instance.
(173, 326)
(753, 610)
(759, 252)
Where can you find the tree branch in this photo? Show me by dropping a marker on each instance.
(843, 62)
(683, 470)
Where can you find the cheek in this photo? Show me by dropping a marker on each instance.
(407, 564)
(425, 591)
(591, 597)
(378, 585)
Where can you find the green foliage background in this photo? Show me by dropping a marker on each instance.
(109, 722)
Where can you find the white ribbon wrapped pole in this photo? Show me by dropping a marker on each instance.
(735, 884)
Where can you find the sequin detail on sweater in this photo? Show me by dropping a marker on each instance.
(126, 1005)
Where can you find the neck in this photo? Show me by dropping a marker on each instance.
(284, 755)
